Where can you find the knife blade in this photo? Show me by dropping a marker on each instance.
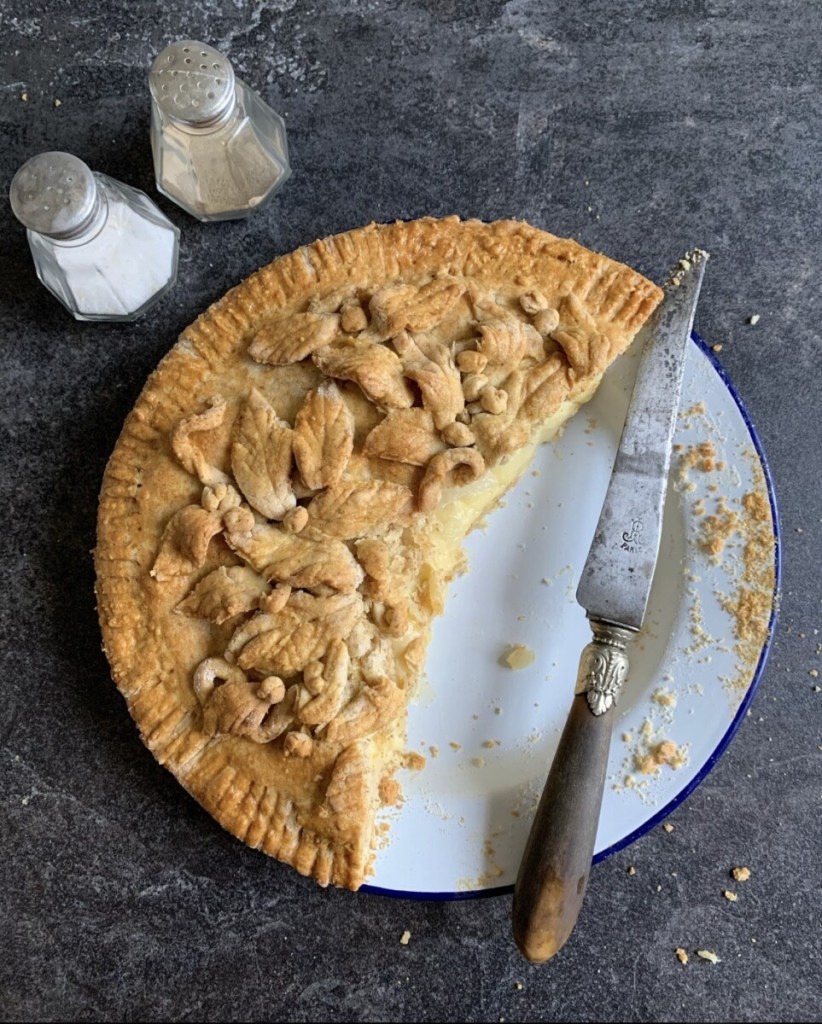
(614, 587)
(616, 580)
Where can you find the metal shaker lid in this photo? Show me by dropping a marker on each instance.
(54, 194)
(192, 82)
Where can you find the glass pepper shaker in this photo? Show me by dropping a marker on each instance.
(101, 247)
(219, 151)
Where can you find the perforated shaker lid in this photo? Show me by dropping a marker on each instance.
(54, 194)
(192, 82)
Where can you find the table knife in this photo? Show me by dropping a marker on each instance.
(613, 589)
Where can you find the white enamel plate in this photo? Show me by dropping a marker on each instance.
(489, 732)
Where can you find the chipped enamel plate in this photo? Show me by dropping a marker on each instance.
(489, 732)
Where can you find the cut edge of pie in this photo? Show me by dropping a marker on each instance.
(287, 501)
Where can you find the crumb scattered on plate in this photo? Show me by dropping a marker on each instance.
(706, 954)
(741, 874)
(681, 955)
(405, 938)
(648, 762)
(730, 896)
(519, 656)
(665, 698)
(718, 528)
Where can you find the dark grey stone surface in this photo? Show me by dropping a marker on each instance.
(639, 128)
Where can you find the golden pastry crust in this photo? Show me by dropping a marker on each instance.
(264, 583)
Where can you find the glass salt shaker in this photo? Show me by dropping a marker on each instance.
(101, 247)
(219, 151)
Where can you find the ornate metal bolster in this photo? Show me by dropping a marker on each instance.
(603, 666)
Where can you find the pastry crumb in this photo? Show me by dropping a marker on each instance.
(718, 529)
(741, 874)
(519, 656)
(707, 954)
(58, 103)
(753, 319)
(665, 752)
(519, 986)
(730, 896)
(390, 792)
(490, 744)
(478, 762)
(701, 457)
(632, 870)
(405, 938)
(434, 751)
(454, 745)
(716, 348)
(413, 761)
(668, 827)
(681, 955)
(665, 698)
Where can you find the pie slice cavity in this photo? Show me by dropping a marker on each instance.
(287, 501)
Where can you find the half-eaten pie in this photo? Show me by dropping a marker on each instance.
(287, 501)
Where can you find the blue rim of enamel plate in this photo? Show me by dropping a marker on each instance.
(672, 805)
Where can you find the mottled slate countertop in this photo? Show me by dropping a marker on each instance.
(641, 129)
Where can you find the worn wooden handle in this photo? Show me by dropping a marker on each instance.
(554, 871)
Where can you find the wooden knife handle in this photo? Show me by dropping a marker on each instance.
(554, 872)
